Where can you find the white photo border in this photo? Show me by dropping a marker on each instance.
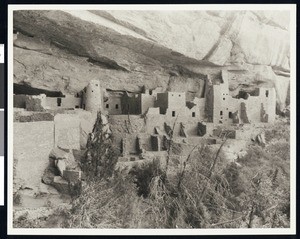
(164, 7)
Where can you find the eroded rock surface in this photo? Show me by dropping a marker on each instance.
(64, 50)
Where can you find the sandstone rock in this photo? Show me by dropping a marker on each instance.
(263, 44)
(130, 49)
(222, 52)
(49, 174)
(71, 163)
(59, 161)
(282, 85)
(67, 158)
(61, 166)
(72, 176)
(58, 154)
(260, 139)
(61, 185)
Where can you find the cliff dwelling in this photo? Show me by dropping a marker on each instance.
(151, 118)
(144, 122)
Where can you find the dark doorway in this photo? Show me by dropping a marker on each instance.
(58, 101)
(173, 113)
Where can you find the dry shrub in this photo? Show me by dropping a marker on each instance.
(143, 175)
(211, 193)
(104, 204)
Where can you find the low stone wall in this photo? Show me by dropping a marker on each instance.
(32, 142)
(120, 125)
(31, 116)
(20, 101)
(87, 121)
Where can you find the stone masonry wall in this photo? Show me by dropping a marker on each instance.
(20, 101)
(68, 101)
(67, 131)
(33, 142)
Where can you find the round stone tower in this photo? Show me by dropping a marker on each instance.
(93, 96)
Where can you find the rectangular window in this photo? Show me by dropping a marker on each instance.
(117, 106)
(221, 112)
(193, 114)
(83, 106)
(58, 101)
(76, 106)
(173, 113)
(107, 106)
(223, 98)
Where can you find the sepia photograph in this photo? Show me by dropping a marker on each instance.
(151, 119)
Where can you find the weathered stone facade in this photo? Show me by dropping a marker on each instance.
(92, 96)
(225, 109)
(145, 123)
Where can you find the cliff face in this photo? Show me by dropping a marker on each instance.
(63, 51)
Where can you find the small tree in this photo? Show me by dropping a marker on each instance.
(100, 157)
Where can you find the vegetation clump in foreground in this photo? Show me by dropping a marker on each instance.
(205, 192)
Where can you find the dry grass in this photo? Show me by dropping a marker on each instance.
(211, 193)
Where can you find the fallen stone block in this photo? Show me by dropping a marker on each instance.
(61, 185)
(57, 153)
(63, 160)
(49, 174)
(71, 163)
(72, 176)
(61, 166)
